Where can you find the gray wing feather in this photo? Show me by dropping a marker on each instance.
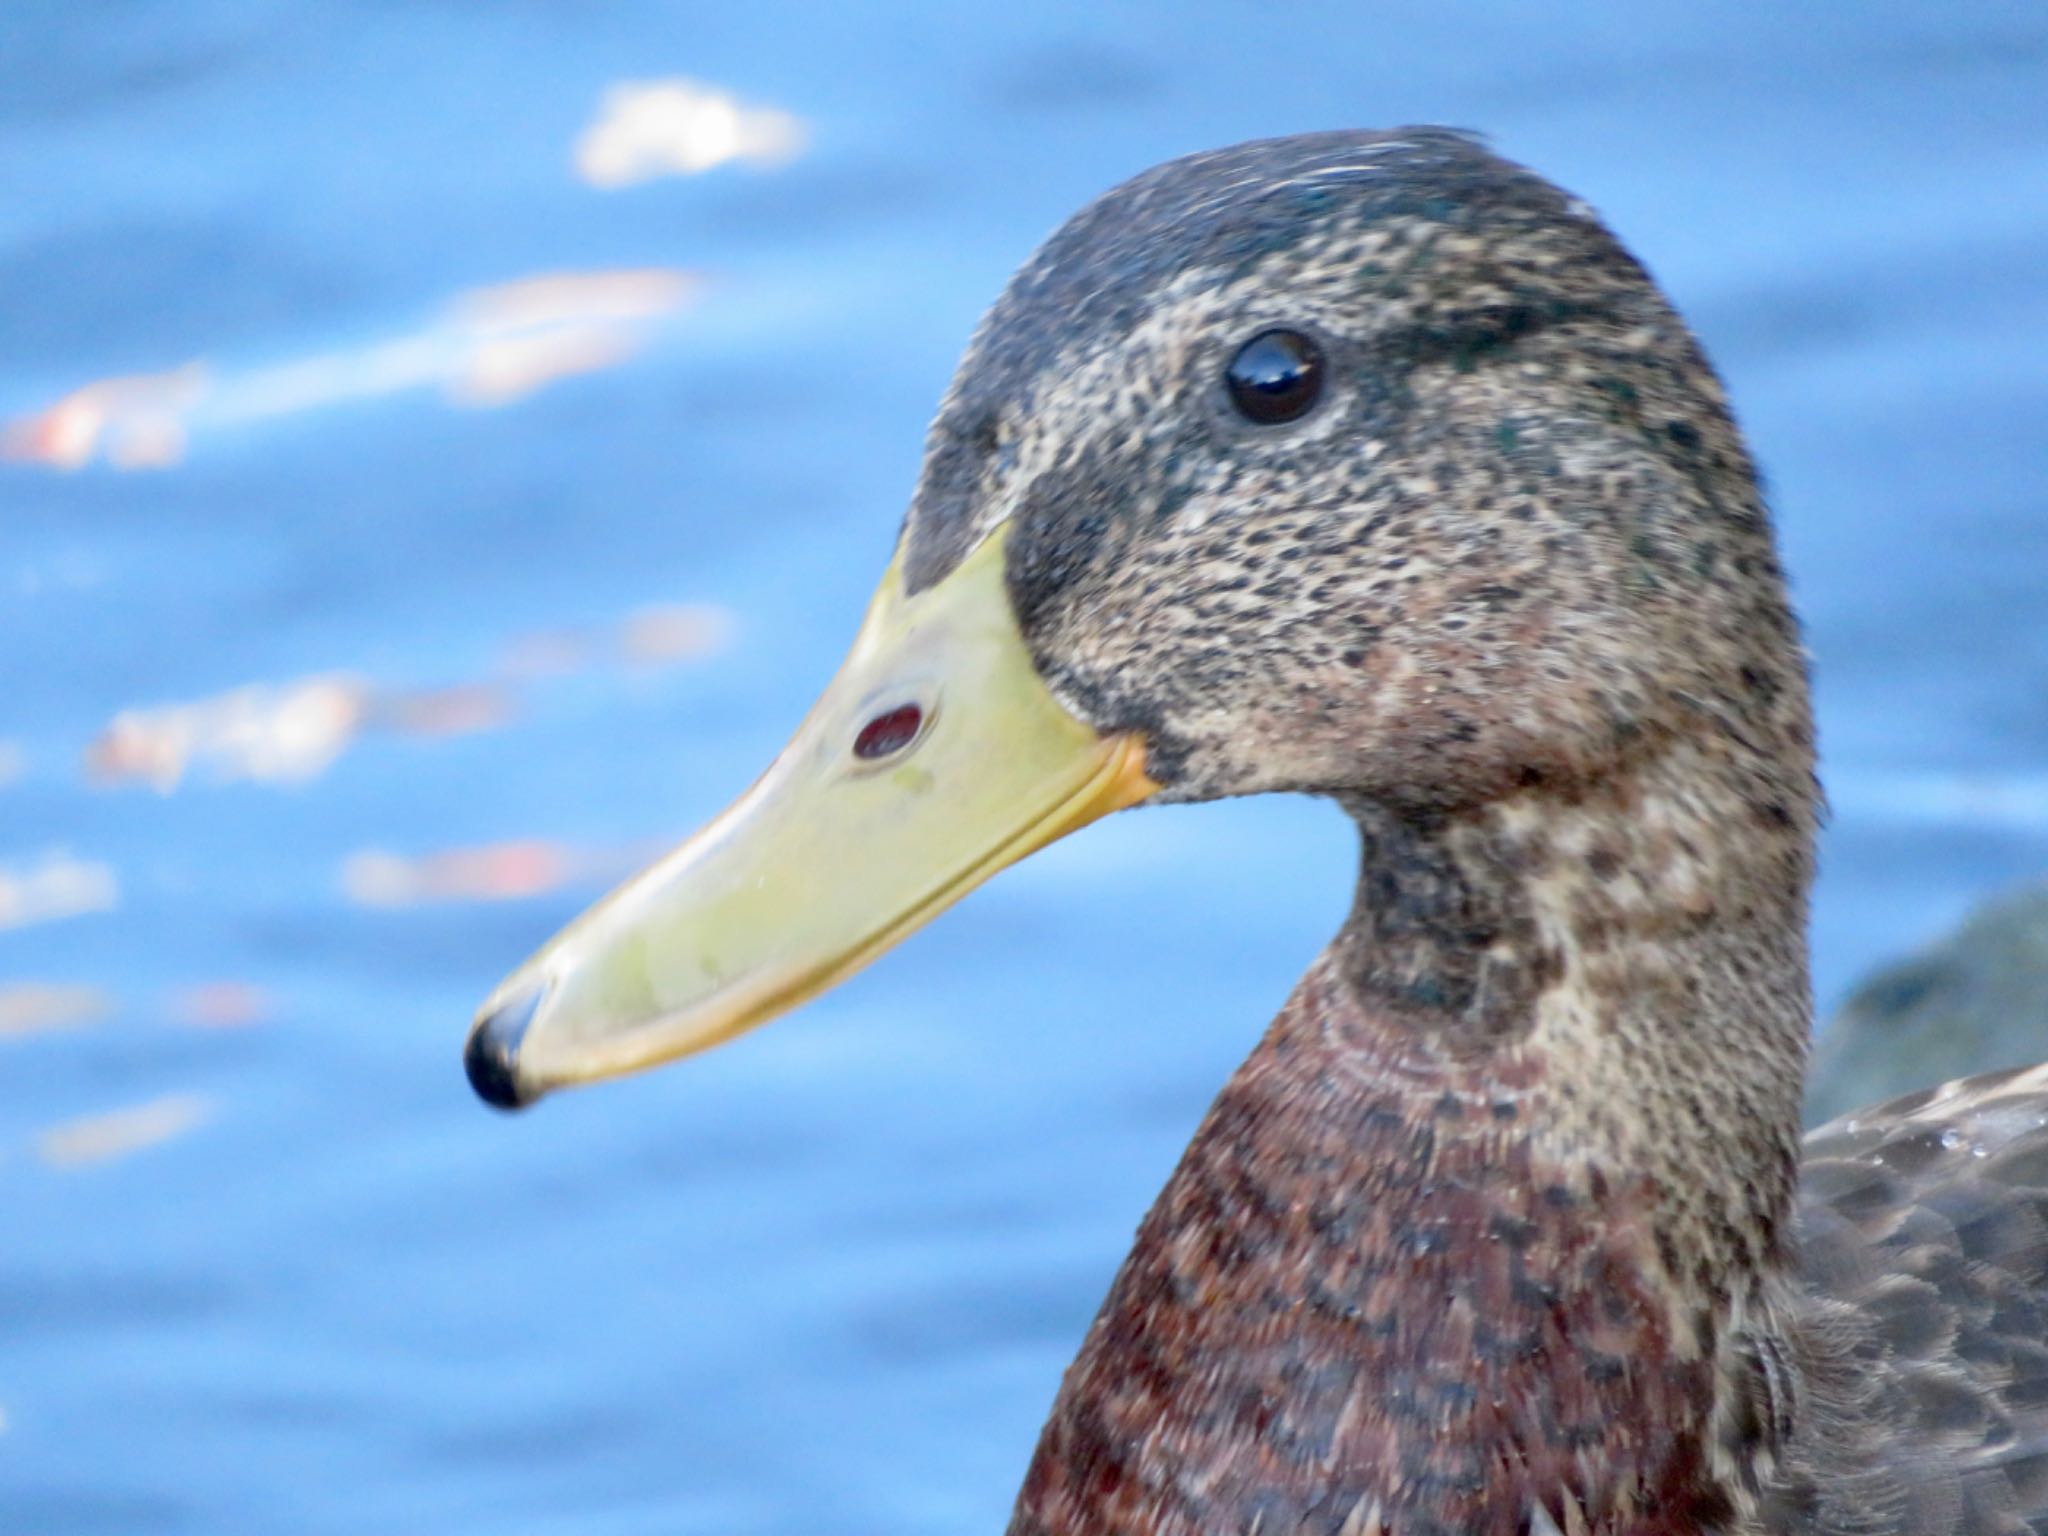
(1920, 1334)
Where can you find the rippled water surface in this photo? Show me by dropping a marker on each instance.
(448, 445)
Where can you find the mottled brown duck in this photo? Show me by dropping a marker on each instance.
(1371, 466)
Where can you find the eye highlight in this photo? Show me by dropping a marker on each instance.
(1275, 377)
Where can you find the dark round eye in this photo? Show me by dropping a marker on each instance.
(1275, 377)
(890, 731)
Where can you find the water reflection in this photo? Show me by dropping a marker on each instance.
(501, 344)
(284, 734)
(54, 886)
(507, 871)
(38, 1008)
(489, 347)
(648, 129)
(221, 1005)
(136, 421)
(119, 1133)
(292, 732)
(248, 1199)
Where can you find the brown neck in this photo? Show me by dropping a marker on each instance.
(1640, 945)
(1469, 1232)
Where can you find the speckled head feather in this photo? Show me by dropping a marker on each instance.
(1496, 1231)
(1517, 535)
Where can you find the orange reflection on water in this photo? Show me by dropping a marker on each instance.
(43, 1007)
(221, 1005)
(520, 336)
(659, 635)
(494, 872)
(137, 421)
(490, 346)
(38, 1008)
(293, 732)
(508, 871)
(458, 711)
(674, 632)
(546, 653)
(120, 1133)
(287, 733)
(647, 129)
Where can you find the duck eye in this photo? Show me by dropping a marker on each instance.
(1275, 377)
(890, 731)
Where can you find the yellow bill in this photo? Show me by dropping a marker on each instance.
(935, 758)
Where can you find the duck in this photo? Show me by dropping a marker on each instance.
(1372, 466)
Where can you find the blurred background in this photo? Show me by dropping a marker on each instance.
(446, 445)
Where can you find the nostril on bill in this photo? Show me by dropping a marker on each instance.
(889, 732)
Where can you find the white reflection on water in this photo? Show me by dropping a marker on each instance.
(56, 886)
(647, 129)
(513, 339)
(289, 733)
(31, 1008)
(489, 347)
(118, 1133)
(37, 1008)
(667, 633)
(505, 871)
(137, 421)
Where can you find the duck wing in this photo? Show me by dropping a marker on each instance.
(1918, 1346)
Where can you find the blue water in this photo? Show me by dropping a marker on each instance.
(824, 1280)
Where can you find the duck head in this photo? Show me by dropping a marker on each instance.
(1363, 465)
